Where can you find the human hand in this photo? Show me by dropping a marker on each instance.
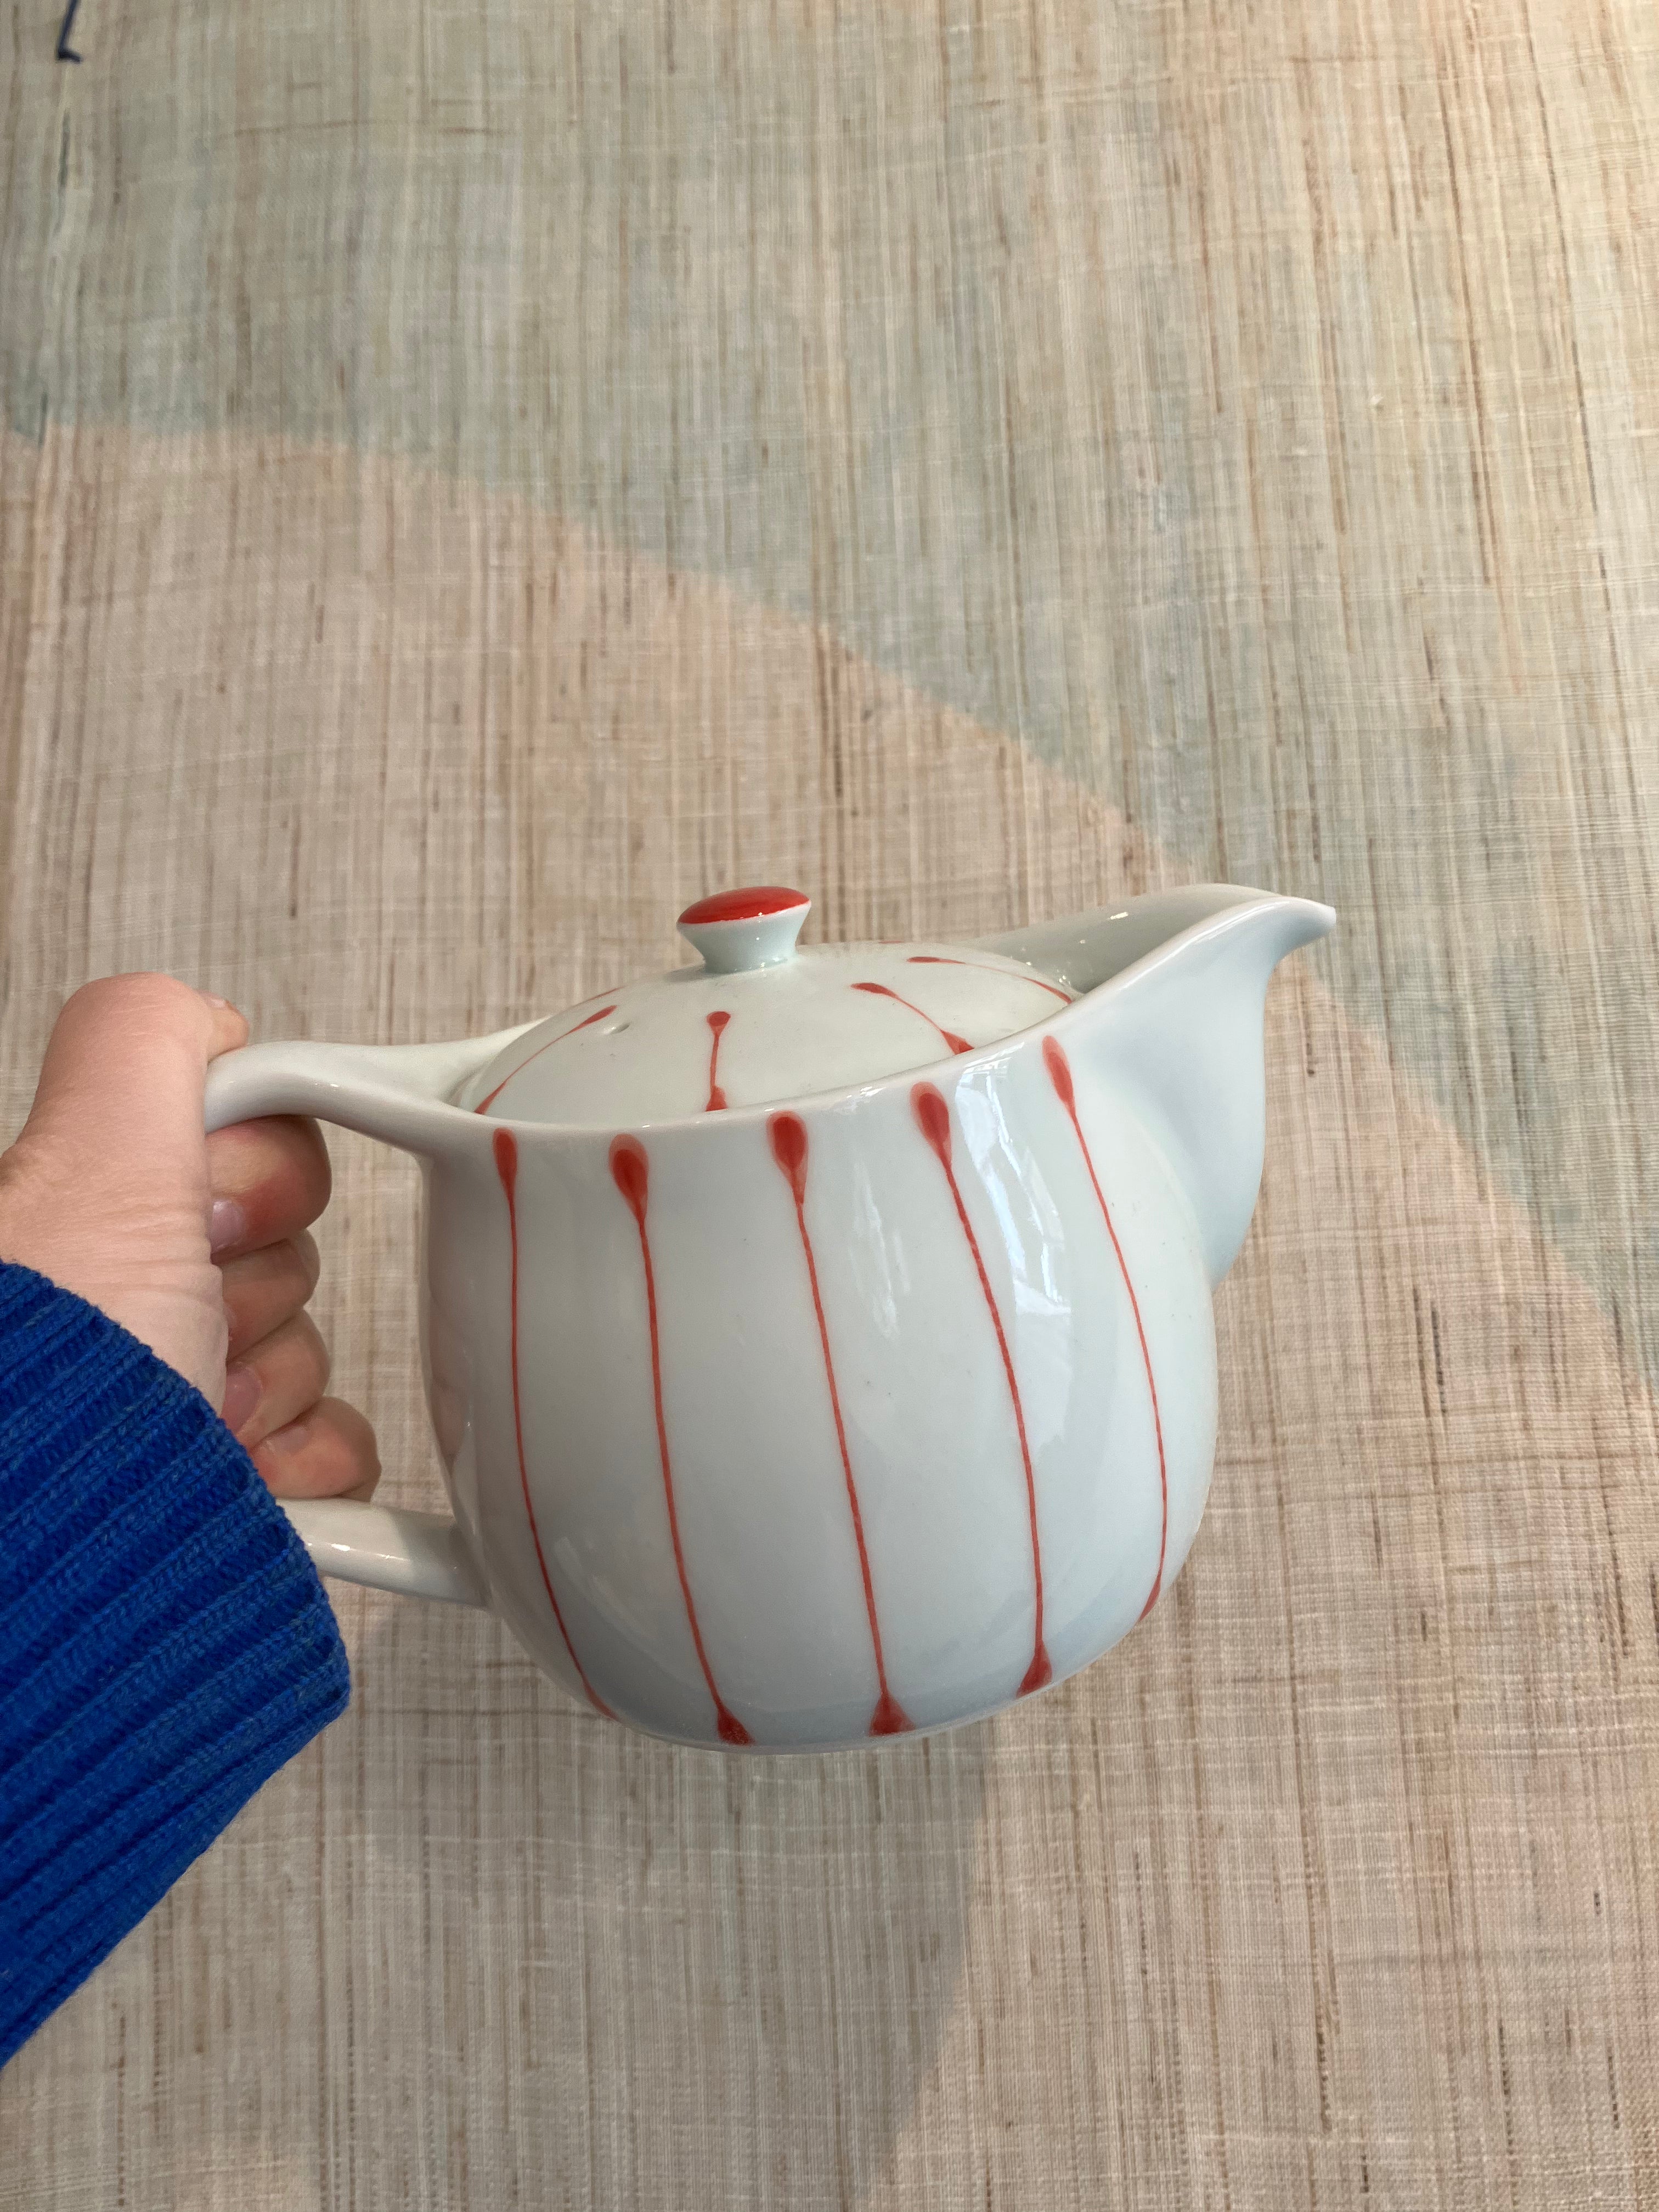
(196, 1245)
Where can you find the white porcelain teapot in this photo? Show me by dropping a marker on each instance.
(819, 1341)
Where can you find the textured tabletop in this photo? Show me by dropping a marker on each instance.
(475, 478)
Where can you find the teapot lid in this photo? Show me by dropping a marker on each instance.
(757, 1020)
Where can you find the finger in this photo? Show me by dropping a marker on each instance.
(119, 1098)
(269, 1179)
(276, 1379)
(329, 1452)
(265, 1288)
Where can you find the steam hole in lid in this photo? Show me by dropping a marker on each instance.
(613, 1029)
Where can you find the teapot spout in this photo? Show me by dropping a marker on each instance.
(1173, 1021)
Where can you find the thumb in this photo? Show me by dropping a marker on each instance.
(106, 1190)
(119, 1099)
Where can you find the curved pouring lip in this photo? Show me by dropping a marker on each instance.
(1309, 919)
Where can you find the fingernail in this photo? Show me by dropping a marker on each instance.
(291, 1438)
(228, 1223)
(242, 1395)
(214, 1000)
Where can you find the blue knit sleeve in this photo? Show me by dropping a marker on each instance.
(165, 1643)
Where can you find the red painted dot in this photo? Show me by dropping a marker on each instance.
(787, 1132)
(933, 1119)
(1059, 1072)
(631, 1173)
(747, 905)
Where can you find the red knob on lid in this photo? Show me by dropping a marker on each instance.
(755, 927)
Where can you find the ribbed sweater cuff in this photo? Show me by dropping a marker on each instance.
(165, 1643)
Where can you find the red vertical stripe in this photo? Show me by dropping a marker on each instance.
(717, 1022)
(933, 1119)
(506, 1167)
(1060, 1074)
(631, 1171)
(787, 1132)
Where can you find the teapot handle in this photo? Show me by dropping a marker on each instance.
(400, 1094)
(388, 1547)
